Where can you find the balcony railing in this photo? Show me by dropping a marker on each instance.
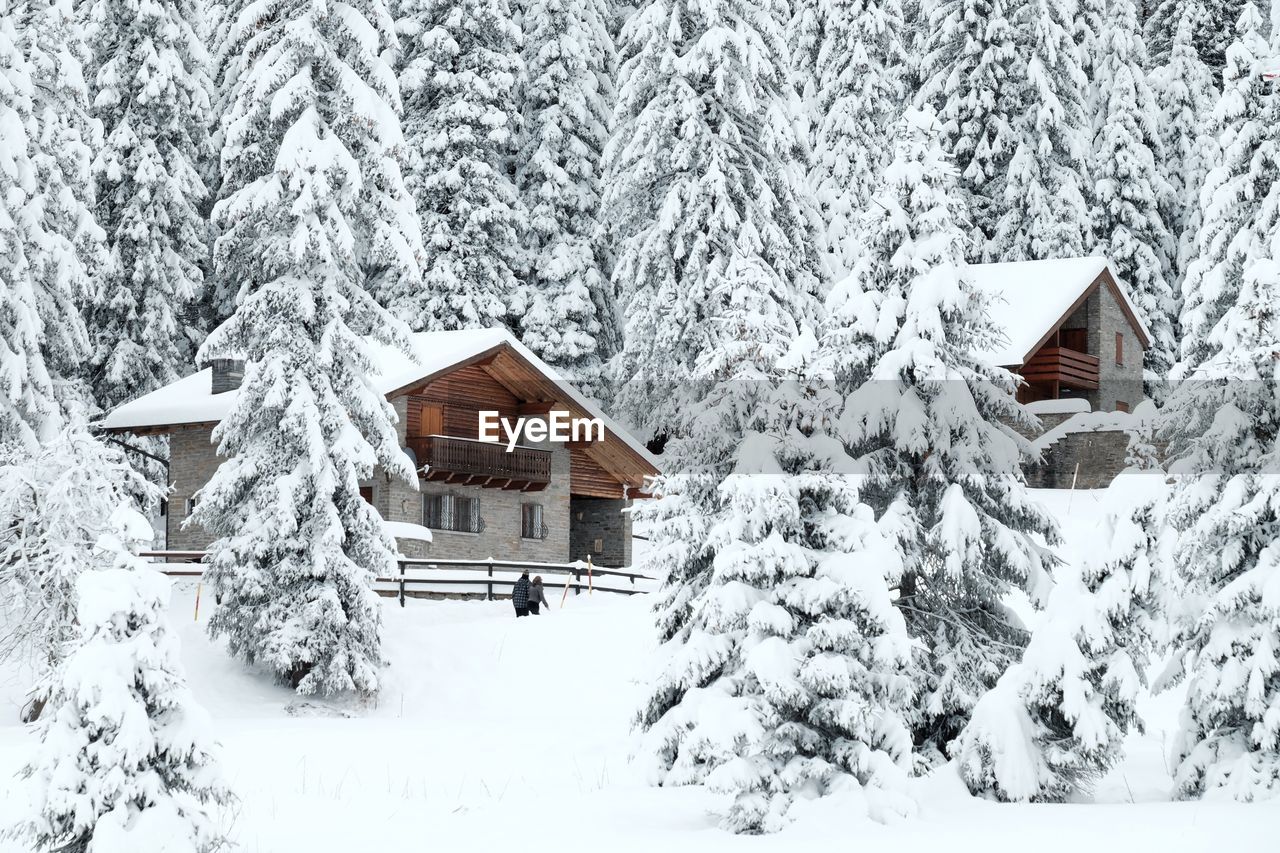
(469, 462)
(1064, 366)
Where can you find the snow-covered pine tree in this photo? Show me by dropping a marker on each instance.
(934, 426)
(1185, 94)
(1055, 722)
(41, 331)
(55, 505)
(860, 89)
(61, 140)
(787, 674)
(570, 318)
(1043, 212)
(126, 761)
(1226, 422)
(1127, 189)
(967, 68)
(151, 95)
(460, 70)
(1228, 197)
(1211, 22)
(310, 152)
(703, 165)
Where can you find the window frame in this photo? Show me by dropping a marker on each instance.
(534, 529)
(457, 513)
(1119, 349)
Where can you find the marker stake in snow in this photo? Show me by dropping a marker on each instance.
(196, 618)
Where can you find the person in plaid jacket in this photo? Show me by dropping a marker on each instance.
(520, 595)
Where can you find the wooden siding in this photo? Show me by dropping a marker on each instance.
(588, 479)
(498, 386)
(462, 394)
(1062, 366)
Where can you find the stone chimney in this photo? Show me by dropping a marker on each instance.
(228, 373)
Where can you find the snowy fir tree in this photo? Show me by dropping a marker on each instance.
(860, 90)
(1229, 195)
(967, 68)
(934, 427)
(569, 318)
(803, 31)
(1223, 423)
(1185, 94)
(151, 95)
(1127, 187)
(460, 72)
(785, 671)
(1211, 22)
(126, 761)
(311, 146)
(1043, 212)
(62, 138)
(56, 504)
(705, 180)
(1056, 721)
(41, 274)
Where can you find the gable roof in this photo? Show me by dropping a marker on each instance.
(190, 401)
(1031, 299)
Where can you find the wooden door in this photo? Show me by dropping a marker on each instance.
(432, 419)
(425, 418)
(1075, 339)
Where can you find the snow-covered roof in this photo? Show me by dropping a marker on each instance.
(191, 400)
(1029, 298)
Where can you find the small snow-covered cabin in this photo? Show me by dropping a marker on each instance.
(542, 500)
(1071, 331)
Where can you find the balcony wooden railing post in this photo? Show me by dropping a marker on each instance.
(474, 462)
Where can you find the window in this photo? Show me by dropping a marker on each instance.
(191, 505)
(1122, 406)
(531, 526)
(1119, 349)
(456, 513)
(366, 494)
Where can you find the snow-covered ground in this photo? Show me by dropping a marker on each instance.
(493, 733)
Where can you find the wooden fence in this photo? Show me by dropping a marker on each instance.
(416, 575)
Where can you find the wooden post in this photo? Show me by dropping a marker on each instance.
(490, 579)
(590, 586)
(196, 618)
(565, 594)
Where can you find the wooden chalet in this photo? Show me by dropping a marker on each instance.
(541, 501)
(1070, 330)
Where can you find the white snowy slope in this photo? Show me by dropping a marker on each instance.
(492, 733)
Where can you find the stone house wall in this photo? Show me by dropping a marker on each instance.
(600, 528)
(1100, 456)
(1116, 382)
(193, 459)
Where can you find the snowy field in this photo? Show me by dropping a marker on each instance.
(493, 733)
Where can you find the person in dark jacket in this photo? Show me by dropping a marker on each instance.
(536, 596)
(520, 595)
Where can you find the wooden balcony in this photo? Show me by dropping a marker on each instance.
(468, 462)
(1062, 366)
